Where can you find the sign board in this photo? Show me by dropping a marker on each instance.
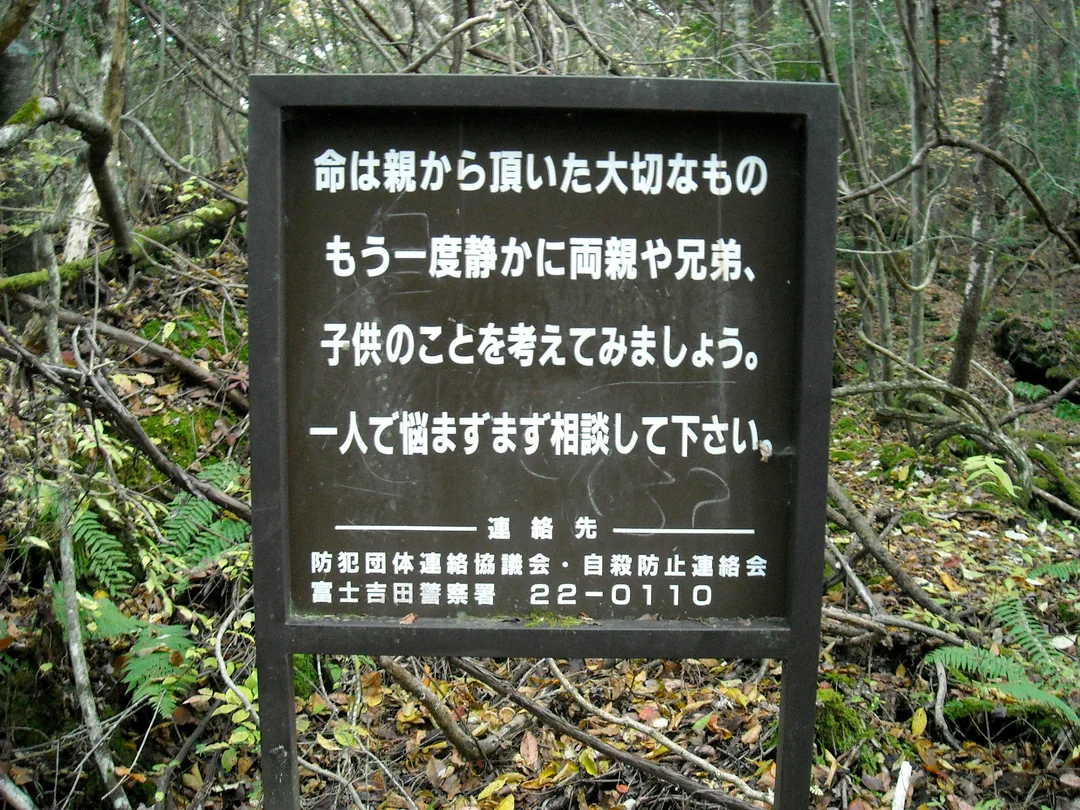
(541, 367)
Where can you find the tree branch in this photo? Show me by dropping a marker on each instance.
(570, 19)
(691, 787)
(457, 30)
(14, 20)
(138, 343)
(96, 132)
(460, 738)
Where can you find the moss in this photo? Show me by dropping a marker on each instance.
(845, 425)
(892, 454)
(179, 434)
(837, 726)
(914, 518)
(28, 113)
(1065, 485)
(194, 331)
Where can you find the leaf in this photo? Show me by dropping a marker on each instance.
(530, 749)
(326, 744)
(507, 803)
(702, 721)
(588, 762)
(167, 330)
(228, 759)
(412, 617)
(493, 787)
(145, 379)
(918, 722)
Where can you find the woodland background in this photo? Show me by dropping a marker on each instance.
(951, 604)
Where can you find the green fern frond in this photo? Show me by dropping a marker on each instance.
(188, 516)
(106, 621)
(977, 662)
(7, 665)
(1066, 570)
(157, 667)
(1027, 691)
(1029, 635)
(224, 475)
(222, 535)
(101, 554)
(1030, 391)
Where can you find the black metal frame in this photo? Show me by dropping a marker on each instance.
(795, 639)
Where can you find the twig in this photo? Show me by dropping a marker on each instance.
(161, 786)
(570, 19)
(903, 782)
(939, 706)
(853, 579)
(336, 777)
(882, 623)
(138, 343)
(169, 160)
(868, 537)
(13, 795)
(221, 659)
(688, 785)
(460, 738)
(457, 30)
(663, 739)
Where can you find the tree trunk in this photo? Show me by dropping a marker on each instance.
(16, 87)
(742, 38)
(108, 100)
(916, 18)
(982, 222)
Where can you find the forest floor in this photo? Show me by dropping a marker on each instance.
(974, 742)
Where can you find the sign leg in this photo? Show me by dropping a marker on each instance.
(281, 789)
(795, 753)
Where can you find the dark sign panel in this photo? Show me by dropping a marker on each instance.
(537, 349)
(540, 361)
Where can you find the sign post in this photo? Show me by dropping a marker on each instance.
(552, 348)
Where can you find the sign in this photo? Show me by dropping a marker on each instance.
(542, 365)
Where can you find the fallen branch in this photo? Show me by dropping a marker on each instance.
(654, 734)
(1053, 500)
(868, 537)
(138, 343)
(214, 213)
(458, 737)
(688, 785)
(1042, 404)
(880, 624)
(161, 786)
(939, 706)
(13, 795)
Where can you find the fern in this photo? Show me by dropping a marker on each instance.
(106, 621)
(1030, 391)
(224, 475)
(222, 535)
(1068, 411)
(1065, 570)
(978, 662)
(187, 517)
(1027, 691)
(1029, 635)
(157, 666)
(101, 554)
(987, 472)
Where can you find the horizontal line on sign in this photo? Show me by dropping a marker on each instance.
(322, 431)
(681, 531)
(594, 593)
(353, 527)
(410, 254)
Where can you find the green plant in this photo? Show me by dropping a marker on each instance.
(1065, 570)
(1010, 676)
(986, 472)
(1030, 391)
(160, 664)
(101, 554)
(1069, 411)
